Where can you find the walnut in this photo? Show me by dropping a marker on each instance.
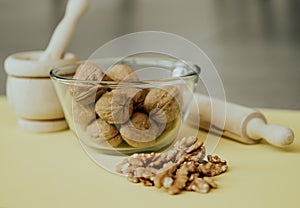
(181, 177)
(146, 182)
(140, 131)
(141, 114)
(88, 71)
(83, 115)
(160, 178)
(137, 97)
(162, 104)
(214, 166)
(210, 181)
(115, 107)
(101, 132)
(184, 143)
(86, 93)
(174, 170)
(199, 185)
(121, 73)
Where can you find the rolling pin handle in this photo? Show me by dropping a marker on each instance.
(274, 134)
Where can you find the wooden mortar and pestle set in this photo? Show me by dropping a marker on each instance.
(32, 96)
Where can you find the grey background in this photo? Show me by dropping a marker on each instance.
(254, 44)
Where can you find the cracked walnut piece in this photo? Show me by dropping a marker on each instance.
(180, 168)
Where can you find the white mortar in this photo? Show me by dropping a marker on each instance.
(30, 91)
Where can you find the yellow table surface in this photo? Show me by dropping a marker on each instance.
(52, 170)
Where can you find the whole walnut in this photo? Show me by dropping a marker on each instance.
(83, 115)
(101, 132)
(120, 73)
(114, 107)
(117, 106)
(88, 71)
(138, 96)
(140, 131)
(86, 93)
(163, 103)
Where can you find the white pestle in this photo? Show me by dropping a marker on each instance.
(64, 30)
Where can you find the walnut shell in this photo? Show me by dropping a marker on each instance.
(115, 107)
(83, 115)
(101, 132)
(140, 131)
(116, 141)
(139, 98)
(162, 104)
(88, 71)
(86, 93)
(120, 73)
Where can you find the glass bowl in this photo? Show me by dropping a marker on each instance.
(132, 115)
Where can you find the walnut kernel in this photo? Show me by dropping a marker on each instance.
(174, 170)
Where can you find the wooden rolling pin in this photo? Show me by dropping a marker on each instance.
(242, 124)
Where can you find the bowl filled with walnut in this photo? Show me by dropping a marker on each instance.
(126, 105)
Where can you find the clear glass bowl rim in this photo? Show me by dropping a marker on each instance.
(193, 73)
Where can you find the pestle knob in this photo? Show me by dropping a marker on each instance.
(64, 30)
(274, 134)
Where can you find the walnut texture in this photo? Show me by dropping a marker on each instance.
(115, 107)
(120, 73)
(140, 131)
(83, 115)
(139, 115)
(162, 103)
(102, 132)
(174, 170)
(86, 93)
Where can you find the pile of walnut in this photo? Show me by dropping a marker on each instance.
(181, 168)
(111, 115)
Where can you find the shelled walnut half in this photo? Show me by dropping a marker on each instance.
(175, 170)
